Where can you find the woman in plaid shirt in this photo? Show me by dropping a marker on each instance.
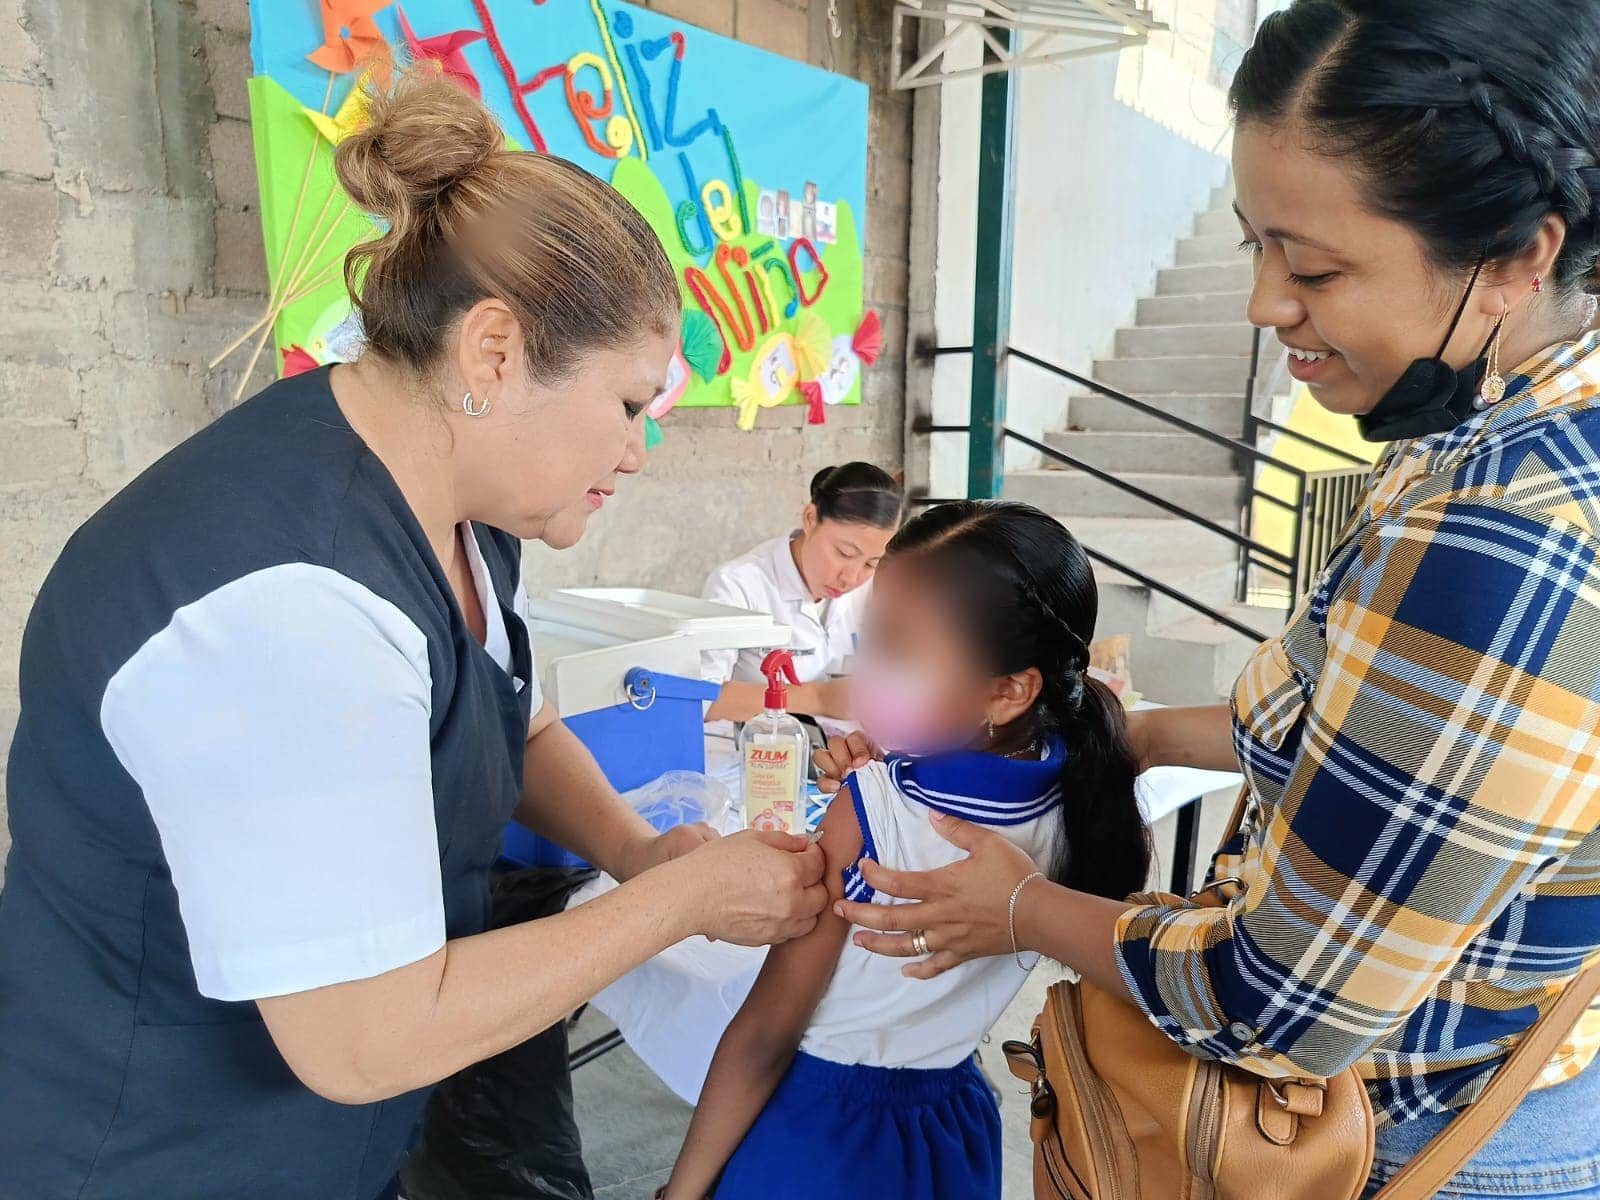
(1421, 859)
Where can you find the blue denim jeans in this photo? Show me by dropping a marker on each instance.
(1550, 1147)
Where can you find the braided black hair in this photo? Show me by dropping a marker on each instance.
(1472, 120)
(1025, 592)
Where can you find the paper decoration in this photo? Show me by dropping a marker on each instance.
(349, 34)
(444, 49)
(353, 114)
(702, 344)
(750, 167)
(774, 376)
(847, 355)
(677, 384)
(297, 362)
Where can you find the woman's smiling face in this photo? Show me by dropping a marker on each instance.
(1351, 293)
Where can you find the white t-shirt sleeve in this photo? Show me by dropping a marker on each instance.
(279, 730)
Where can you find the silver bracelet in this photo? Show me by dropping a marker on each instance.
(1011, 920)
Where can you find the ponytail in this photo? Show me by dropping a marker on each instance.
(1104, 846)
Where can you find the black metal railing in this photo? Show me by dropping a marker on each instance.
(1317, 517)
(1291, 567)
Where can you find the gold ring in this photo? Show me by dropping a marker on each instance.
(919, 942)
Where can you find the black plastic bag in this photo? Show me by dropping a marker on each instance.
(504, 1129)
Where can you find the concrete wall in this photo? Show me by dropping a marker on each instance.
(1110, 174)
(130, 253)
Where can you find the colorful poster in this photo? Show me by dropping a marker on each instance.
(750, 167)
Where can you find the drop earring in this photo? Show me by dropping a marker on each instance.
(1494, 383)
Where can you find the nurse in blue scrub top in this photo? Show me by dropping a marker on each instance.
(813, 580)
(278, 702)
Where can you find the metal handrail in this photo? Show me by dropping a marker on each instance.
(1156, 585)
(1133, 489)
(1150, 410)
(1252, 553)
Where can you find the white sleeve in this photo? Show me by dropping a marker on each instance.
(716, 666)
(279, 729)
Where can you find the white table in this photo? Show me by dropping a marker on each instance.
(673, 1009)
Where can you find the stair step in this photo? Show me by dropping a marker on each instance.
(1176, 452)
(1162, 341)
(1155, 544)
(1069, 494)
(1221, 413)
(1222, 197)
(1218, 223)
(1177, 553)
(1197, 374)
(1207, 308)
(1199, 280)
(1220, 248)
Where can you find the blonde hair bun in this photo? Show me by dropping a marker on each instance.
(425, 135)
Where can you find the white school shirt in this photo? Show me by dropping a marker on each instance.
(766, 580)
(873, 1015)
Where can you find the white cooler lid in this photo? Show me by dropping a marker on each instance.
(642, 613)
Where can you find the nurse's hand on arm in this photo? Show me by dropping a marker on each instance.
(566, 798)
(371, 1039)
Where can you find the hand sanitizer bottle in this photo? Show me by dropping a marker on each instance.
(773, 747)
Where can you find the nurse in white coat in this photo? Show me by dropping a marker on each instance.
(814, 581)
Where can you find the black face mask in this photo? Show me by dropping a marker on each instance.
(1432, 396)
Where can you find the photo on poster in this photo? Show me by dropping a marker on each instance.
(827, 223)
(808, 213)
(784, 227)
(767, 214)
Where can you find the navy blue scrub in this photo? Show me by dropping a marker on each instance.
(259, 751)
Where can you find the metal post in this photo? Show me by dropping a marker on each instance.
(991, 301)
(1186, 848)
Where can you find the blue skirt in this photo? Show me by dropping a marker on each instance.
(889, 1134)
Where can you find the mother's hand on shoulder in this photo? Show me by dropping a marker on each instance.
(962, 910)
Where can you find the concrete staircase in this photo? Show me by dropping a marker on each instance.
(1188, 355)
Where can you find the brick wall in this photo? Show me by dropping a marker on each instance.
(130, 252)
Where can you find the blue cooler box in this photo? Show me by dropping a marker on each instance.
(622, 667)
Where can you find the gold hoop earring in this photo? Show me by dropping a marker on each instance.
(467, 406)
(1494, 383)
